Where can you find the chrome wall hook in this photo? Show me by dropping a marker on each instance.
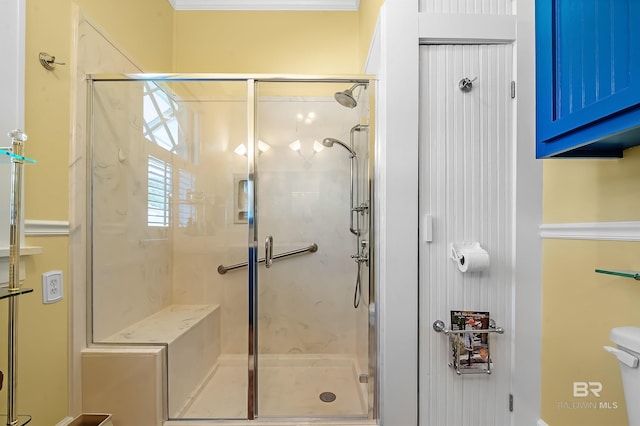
(48, 61)
(466, 84)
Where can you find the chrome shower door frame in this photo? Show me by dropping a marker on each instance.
(275, 284)
(254, 246)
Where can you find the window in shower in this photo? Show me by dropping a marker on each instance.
(160, 119)
(159, 184)
(161, 126)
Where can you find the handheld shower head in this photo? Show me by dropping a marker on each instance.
(328, 142)
(346, 98)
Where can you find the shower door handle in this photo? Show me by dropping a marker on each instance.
(268, 251)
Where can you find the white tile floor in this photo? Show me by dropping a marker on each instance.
(288, 387)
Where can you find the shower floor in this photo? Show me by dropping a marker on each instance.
(288, 387)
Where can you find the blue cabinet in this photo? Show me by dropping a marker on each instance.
(588, 77)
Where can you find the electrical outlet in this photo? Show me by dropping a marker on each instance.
(51, 286)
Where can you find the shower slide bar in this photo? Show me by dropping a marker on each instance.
(311, 249)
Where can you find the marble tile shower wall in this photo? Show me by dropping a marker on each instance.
(132, 271)
(197, 255)
(307, 302)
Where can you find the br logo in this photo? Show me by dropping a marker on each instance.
(584, 389)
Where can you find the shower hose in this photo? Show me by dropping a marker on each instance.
(357, 294)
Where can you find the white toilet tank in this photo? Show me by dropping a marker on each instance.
(627, 340)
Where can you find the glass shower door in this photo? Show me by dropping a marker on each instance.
(169, 224)
(312, 295)
(213, 261)
(229, 236)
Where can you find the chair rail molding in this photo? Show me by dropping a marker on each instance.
(40, 228)
(608, 231)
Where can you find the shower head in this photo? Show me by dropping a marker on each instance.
(346, 98)
(328, 142)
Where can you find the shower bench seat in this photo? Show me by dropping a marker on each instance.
(165, 326)
(185, 337)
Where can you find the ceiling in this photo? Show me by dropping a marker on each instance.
(309, 5)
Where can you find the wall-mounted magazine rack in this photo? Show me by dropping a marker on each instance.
(457, 339)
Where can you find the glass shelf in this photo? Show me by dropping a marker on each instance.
(626, 274)
(6, 156)
(5, 293)
(22, 419)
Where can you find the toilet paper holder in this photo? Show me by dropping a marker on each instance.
(469, 256)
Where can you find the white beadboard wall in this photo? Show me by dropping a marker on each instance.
(478, 7)
(467, 185)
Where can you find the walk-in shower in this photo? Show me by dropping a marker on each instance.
(218, 235)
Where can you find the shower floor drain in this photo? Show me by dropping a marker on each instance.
(327, 397)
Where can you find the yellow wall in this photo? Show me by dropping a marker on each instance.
(42, 339)
(592, 190)
(267, 42)
(142, 28)
(147, 30)
(42, 334)
(368, 17)
(579, 306)
(315, 43)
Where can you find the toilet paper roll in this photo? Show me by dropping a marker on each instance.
(469, 257)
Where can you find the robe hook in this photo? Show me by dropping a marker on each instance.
(48, 61)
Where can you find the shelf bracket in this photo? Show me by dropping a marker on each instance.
(624, 274)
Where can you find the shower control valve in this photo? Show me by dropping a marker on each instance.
(359, 258)
(362, 257)
(361, 208)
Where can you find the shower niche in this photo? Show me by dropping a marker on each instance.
(192, 173)
(240, 199)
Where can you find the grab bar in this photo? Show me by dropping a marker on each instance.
(311, 249)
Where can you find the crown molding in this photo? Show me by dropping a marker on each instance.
(300, 5)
